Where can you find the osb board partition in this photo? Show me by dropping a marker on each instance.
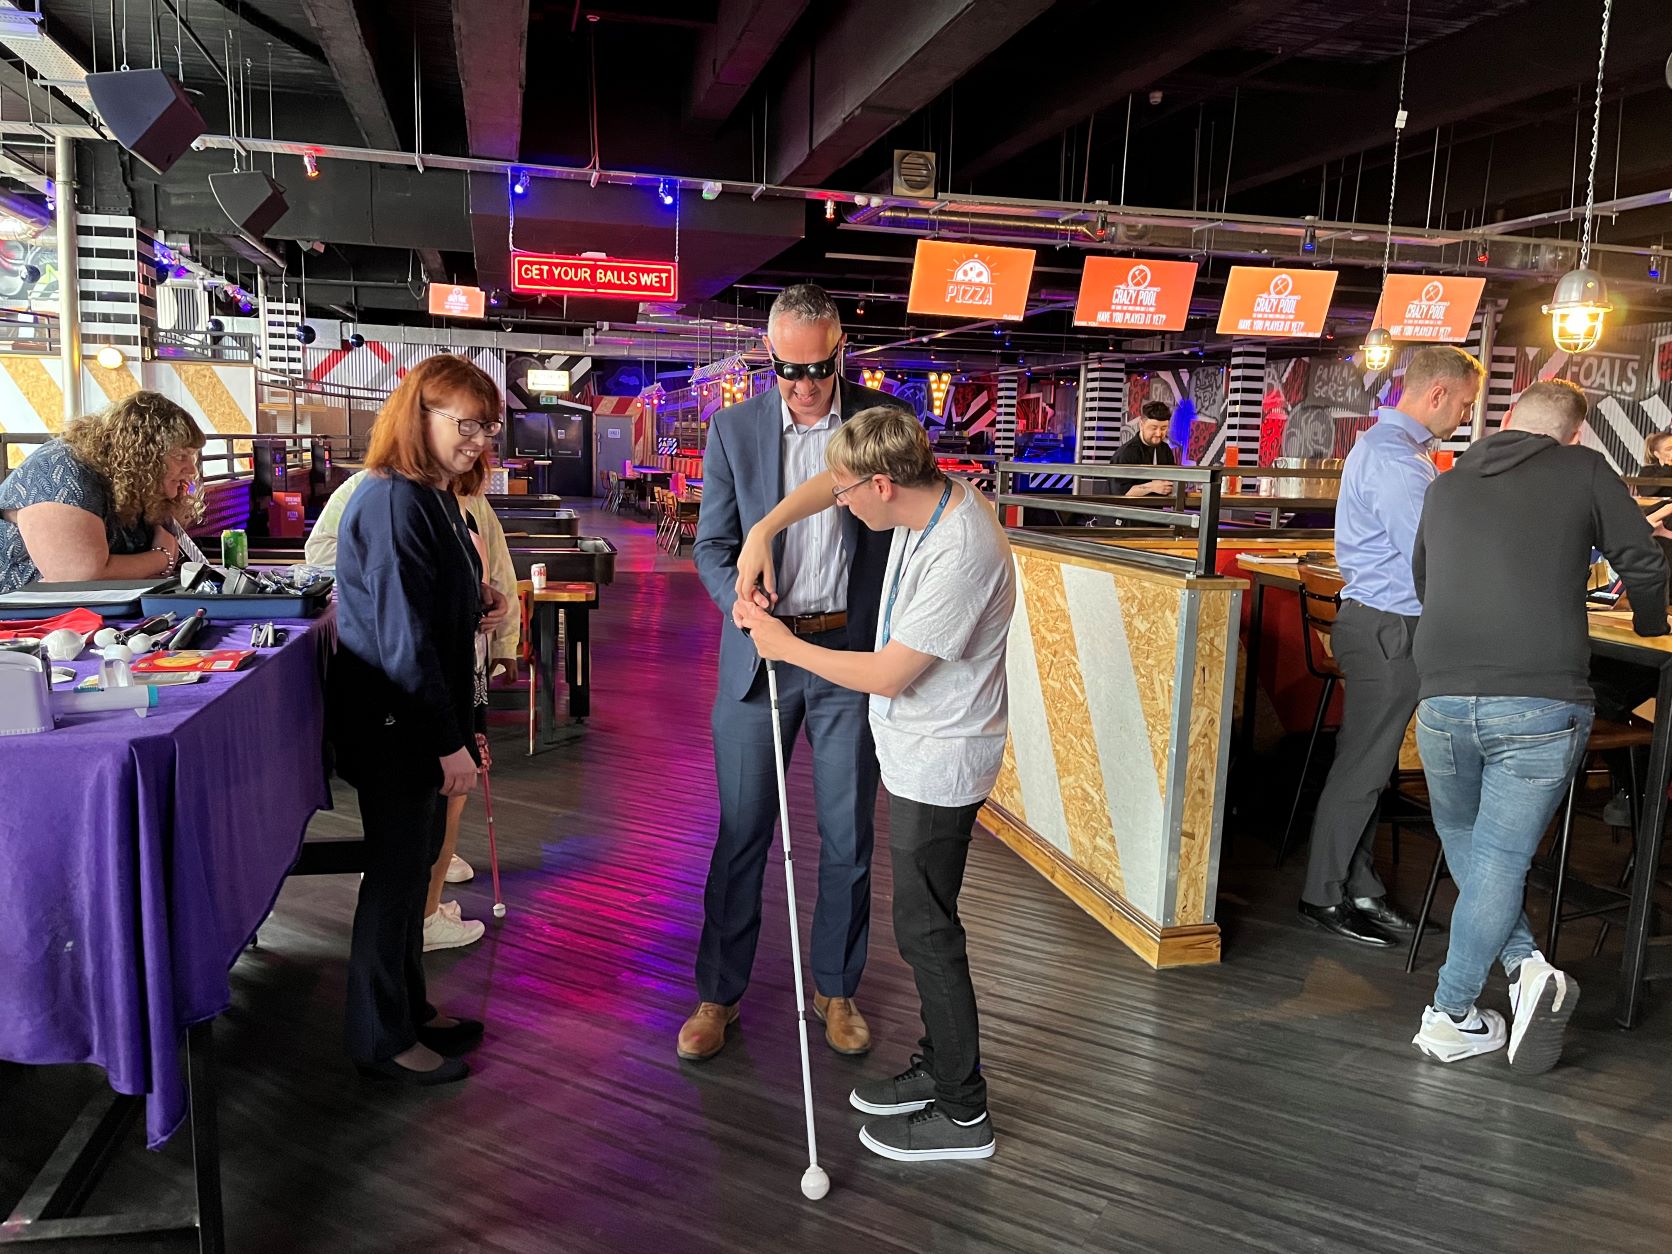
(1092, 666)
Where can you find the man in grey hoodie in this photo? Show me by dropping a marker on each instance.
(1502, 563)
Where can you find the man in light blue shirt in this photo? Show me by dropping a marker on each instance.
(1382, 488)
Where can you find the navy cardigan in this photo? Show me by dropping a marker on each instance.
(408, 603)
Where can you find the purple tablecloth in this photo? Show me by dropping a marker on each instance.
(138, 857)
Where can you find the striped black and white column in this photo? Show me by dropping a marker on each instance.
(1102, 410)
(1244, 403)
(1004, 421)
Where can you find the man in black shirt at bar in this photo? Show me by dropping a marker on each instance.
(1501, 564)
(1148, 447)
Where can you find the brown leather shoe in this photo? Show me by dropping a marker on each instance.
(704, 1033)
(844, 1027)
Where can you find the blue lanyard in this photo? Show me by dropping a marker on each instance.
(894, 590)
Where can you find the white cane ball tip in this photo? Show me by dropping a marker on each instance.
(499, 909)
(140, 643)
(118, 653)
(104, 636)
(814, 1183)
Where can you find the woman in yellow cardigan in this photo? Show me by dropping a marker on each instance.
(444, 928)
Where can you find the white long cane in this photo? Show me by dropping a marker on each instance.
(814, 1182)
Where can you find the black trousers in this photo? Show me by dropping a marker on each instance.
(929, 846)
(405, 821)
(1373, 650)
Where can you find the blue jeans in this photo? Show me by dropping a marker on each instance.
(1497, 768)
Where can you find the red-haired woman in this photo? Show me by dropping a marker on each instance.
(410, 600)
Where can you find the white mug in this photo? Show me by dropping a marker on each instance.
(537, 576)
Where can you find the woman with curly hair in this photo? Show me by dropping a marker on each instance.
(103, 500)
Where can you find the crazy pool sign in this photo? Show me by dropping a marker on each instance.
(1290, 303)
(1432, 309)
(1120, 292)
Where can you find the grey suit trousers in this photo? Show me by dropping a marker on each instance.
(838, 729)
(1373, 650)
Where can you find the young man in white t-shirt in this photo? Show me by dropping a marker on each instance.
(938, 715)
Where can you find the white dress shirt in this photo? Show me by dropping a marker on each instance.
(813, 573)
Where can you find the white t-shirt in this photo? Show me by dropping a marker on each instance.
(940, 741)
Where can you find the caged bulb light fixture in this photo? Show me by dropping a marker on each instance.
(1579, 306)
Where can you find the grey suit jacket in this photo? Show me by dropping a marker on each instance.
(742, 479)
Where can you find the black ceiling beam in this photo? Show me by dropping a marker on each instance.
(732, 53)
(870, 67)
(491, 41)
(342, 31)
(1494, 64)
(1001, 126)
(276, 31)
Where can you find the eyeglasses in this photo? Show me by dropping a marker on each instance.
(815, 370)
(839, 493)
(467, 426)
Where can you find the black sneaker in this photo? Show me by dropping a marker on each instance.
(912, 1089)
(928, 1135)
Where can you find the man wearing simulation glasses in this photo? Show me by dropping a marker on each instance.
(829, 584)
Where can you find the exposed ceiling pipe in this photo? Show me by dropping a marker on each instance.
(1643, 200)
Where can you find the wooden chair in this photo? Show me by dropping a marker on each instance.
(1320, 601)
(687, 510)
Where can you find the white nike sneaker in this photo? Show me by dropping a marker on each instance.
(1542, 1000)
(446, 930)
(459, 871)
(1445, 1040)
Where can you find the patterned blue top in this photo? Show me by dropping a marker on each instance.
(53, 474)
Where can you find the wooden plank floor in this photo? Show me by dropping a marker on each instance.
(1271, 1103)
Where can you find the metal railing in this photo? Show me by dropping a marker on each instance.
(286, 405)
(231, 346)
(1195, 510)
(25, 331)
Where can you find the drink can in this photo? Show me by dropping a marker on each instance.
(537, 576)
(235, 548)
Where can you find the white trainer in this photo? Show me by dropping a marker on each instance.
(1445, 1040)
(459, 871)
(1542, 1000)
(446, 930)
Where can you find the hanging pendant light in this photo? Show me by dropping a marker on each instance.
(1579, 307)
(1378, 349)
(1378, 344)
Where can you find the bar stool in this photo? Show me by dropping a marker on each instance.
(1605, 736)
(1320, 602)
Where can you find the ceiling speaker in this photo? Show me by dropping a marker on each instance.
(914, 173)
(253, 201)
(148, 113)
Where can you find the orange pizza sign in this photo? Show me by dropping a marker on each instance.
(1433, 309)
(1143, 295)
(1291, 303)
(970, 280)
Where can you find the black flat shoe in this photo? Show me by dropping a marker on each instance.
(1346, 922)
(1382, 912)
(451, 1069)
(463, 1036)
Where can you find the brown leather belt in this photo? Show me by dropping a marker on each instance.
(814, 624)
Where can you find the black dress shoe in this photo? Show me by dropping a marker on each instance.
(451, 1069)
(463, 1036)
(1347, 923)
(1381, 911)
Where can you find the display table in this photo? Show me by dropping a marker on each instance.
(139, 856)
(573, 603)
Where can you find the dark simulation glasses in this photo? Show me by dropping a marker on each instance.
(814, 370)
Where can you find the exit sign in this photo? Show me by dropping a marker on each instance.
(612, 277)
